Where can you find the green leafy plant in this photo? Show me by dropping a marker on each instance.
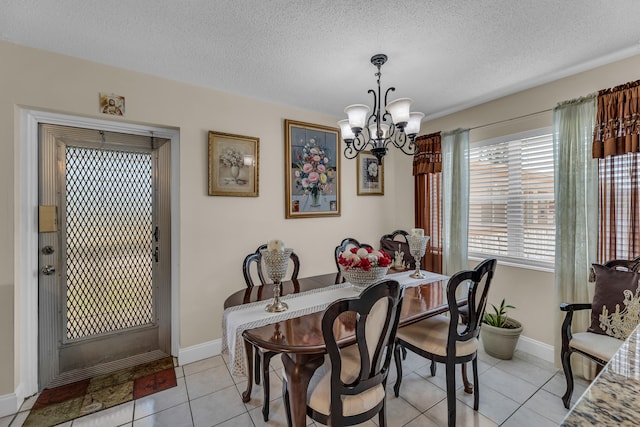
(499, 317)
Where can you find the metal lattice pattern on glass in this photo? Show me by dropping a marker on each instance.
(109, 217)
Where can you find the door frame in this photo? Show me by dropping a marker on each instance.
(26, 237)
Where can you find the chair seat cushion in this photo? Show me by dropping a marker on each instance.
(600, 346)
(431, 336)
(319, 392)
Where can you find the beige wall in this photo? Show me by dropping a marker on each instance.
(216, 232)
(530, 291)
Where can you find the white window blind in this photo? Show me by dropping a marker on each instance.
(511, 206)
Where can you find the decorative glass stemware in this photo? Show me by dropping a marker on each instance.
(417, 248)
(276, 263)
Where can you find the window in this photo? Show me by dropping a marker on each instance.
(511, 205)
(619, 197)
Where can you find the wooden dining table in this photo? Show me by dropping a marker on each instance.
(300, 339)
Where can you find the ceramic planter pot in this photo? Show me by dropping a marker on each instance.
(500, 342)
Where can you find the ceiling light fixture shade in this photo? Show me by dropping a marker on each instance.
(394, 125)
(413, 127)
(399, 110)
(345, 129)
(357, 114)
(379, 132)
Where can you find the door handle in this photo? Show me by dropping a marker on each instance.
(48, 270)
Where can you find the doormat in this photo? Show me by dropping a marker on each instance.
(60, 404)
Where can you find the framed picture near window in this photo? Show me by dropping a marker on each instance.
(370, 175)
(312, 170)
(233, 165)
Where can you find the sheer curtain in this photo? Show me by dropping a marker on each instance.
(455, 203)
(576, 201)
(427, 166)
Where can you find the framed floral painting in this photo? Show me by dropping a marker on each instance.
(312, 170)
(233, 165)
(370, 175)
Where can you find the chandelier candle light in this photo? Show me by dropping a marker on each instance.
(417, 248)
(276, 260)
(394, 125)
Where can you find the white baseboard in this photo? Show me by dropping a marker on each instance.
(8, 404)
(199, 351)
(214, 348)
(536, 348)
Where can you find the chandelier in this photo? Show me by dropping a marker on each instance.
(395, 125)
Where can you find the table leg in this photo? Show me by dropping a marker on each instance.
(299, 369)
(248, 349)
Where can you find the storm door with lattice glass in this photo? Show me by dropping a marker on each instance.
(103, 284)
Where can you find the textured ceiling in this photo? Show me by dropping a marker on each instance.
(314, 54)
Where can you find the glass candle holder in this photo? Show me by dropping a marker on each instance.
(417, 248)
(276, 264)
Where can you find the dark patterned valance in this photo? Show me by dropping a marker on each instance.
(617, 121)
(428, 158)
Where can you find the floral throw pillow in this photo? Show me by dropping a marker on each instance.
(616, 302)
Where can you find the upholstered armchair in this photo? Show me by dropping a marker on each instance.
(614, 314)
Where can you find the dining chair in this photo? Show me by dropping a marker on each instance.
(612, 280)
(398, 241)
(263, 357)
(348, 242)
(349, 388)
(446, 339)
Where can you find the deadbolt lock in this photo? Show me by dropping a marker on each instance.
(48, 270)
(48, 250)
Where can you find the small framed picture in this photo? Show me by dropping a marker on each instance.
(312, 170)
(111, 104)
(370, 175)
(233, 165)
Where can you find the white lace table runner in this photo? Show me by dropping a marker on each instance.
(239, 318)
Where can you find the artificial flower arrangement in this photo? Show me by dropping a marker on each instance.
(232, 157)
(363, 258)
(313, 174)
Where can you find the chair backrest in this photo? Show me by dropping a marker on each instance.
(619, 264)
(374, 316)
(398, 241)
(399, 235)
(256, 258)
(477, 282)
(349, 241)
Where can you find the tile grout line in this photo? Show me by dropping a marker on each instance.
(529, 398)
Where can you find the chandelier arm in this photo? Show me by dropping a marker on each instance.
(373, 116)
(358, 144)
(386, 95)
(410, 148)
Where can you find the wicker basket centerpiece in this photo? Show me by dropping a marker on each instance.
(363, 266)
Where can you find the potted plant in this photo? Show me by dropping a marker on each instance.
(500, 333)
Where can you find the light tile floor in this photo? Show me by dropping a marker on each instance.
(524, 391)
